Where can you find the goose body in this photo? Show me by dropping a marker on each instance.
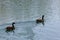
(39, 21)
(10, 28)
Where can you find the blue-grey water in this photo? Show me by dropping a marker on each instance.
(25, 13)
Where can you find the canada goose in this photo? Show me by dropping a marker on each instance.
(40, 20)
(10, 28)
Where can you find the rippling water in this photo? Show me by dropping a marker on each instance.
(24, 13)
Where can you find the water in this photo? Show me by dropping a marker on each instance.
(25, 13)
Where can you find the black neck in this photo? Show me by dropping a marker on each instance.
(12, 25)
(43, 17)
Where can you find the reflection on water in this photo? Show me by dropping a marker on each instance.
(25, 13)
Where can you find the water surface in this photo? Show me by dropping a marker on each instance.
(25, 13)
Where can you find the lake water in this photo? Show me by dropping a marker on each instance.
(25, 13)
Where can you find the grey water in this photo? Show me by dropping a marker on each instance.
(25, 13)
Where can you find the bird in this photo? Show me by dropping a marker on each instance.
(40, 20)
(10, 28)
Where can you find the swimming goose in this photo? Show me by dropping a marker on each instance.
(40, 20)
(10, 28)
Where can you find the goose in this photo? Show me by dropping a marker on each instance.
(40, 20)
(10, 28)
